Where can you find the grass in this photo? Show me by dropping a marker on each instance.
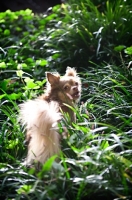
(96, 157)
(90, 34)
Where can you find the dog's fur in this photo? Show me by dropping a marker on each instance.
(41, 115)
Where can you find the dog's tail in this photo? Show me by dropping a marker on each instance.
(40, 119)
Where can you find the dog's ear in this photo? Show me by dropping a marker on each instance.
(71, 72)
(52, 79)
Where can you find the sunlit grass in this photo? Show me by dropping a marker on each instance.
(96, 153)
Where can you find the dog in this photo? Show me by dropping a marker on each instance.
(41, 115)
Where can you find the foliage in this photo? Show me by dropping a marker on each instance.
(96, 157)
(91, 34)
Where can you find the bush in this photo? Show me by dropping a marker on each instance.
(87, 34)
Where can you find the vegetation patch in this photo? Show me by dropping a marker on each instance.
(96, 158)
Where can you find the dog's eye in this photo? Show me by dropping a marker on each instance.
(66, 87)
(76, 83)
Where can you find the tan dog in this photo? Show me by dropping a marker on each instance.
(41, 115)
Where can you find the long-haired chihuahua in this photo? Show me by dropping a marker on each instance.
(41, 115)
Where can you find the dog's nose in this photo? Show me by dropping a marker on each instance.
(75, 88)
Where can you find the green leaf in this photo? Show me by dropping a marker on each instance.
(47, 166)
(104, 144)
(4, 84)
(119, 48)
(2, 65)
(28, 80)
(43, 63)
(12, 144)
(6, 32)
(56, 55)
(29, 60)
(30, 84)
(56, 8)
(14, 96)
(24, 189)
(19, 73)
(128, 50)
(2, 96)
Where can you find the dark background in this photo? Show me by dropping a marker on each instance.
(37, 6)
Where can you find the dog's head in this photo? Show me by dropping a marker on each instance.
(66, 88)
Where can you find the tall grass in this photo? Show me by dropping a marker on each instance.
(89, 33)
(96, 156)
